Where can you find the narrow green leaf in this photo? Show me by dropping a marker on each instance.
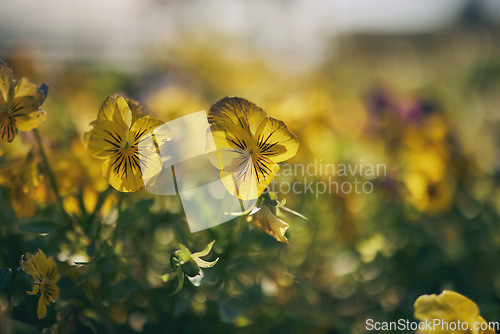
(294, 212)
(280, 204)
(39, 227)
(167, 277)
(205, 251)
(180, 283)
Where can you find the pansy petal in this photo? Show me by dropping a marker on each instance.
(26, 113)
(106, 138)
(136, 109)
(8, 128)
(41, 263)
(484, 324)
(266, 170)
(150, 162)
(36, 288)
(51, 273)
(227, 158)
(124, 172)
(42, 308)
(249, 178)
(236, 111)
(32, 120)
(147, 141)
(275, 141)
(145, 126)
(449, 306)
(25, 88)
(50, 292)
(117, 110)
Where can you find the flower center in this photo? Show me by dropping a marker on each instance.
(5, 119)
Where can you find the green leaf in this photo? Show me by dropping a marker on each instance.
(168, 276)
(280, 204)
(39, 227)
(123, 289)
(205, 264)
(4, 276)
(205, 251)
(180, 283)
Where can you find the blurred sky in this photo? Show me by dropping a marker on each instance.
(122, 32)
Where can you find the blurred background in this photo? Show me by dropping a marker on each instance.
(411, 85)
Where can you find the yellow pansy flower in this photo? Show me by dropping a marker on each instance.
(43, 270)
(19, 105)
(124, 139)
(249, 145)
(450, 307)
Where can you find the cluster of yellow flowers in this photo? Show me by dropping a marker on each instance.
(249, 145)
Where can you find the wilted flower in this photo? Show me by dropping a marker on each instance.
(117, 133)
(450, 307)
(43, 270)
(266, 220)
(249, 145)
(19, 105)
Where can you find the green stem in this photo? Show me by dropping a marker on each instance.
(117, 226)
(49, 171)
(9, 288)
(238, 230)
(171, 311)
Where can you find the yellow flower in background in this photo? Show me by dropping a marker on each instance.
(22, 176)
(450, 307)
(117, 133)
(430, 189)
(43, 270)
(19, 105)
(249, 144)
